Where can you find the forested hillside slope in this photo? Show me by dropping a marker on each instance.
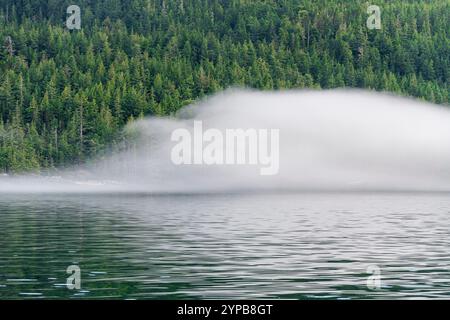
(65, 94)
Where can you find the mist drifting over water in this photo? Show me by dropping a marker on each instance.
(328, 140)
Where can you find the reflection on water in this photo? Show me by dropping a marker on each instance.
(225, 246)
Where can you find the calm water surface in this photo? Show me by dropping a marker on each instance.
(291, 246)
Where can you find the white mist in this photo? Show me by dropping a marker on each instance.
(329, 140)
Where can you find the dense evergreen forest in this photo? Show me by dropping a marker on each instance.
(65, 94)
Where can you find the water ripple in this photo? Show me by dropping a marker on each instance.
(292, 246)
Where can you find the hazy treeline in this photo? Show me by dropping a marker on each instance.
(65, 94)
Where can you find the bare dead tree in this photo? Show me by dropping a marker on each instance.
(9, 46)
